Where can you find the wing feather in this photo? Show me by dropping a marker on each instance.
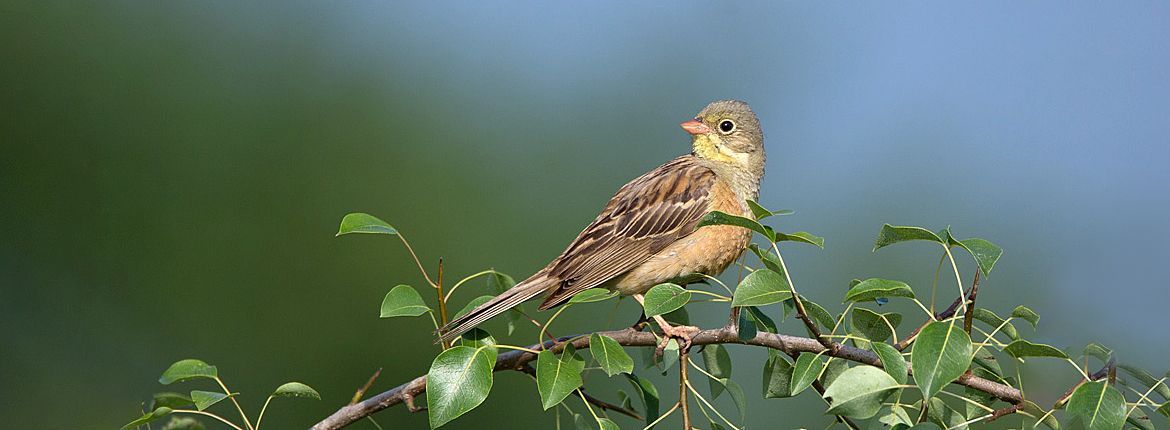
(644, 216)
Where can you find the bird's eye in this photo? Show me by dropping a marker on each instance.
(726, 126)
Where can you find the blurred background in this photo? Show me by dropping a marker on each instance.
(173, 173)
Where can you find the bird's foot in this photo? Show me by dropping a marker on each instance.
(683, 334)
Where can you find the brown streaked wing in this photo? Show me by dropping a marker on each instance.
(644, 217)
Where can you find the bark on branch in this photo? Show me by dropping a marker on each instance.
(516, 360)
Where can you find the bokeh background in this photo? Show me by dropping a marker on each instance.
(172, 174)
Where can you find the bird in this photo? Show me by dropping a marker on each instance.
(646, 234)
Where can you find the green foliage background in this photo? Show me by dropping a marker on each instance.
(172, 174)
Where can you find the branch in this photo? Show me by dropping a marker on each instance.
(516, 360)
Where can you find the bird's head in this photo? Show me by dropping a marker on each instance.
(728, 132)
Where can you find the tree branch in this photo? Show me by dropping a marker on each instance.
(516, 360)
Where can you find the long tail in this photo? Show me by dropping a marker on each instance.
(509, 299)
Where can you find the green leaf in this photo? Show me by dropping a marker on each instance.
(500, 282)
(718, 363)
(593, 295)
(358, 222)
(874, 288)
(665, 298)
(190, 368)
(761, 212)
(1139, 419)
(833, 369)
(893, 234)
(940, 355)
(761, 319)
(296, 389)
(777, 377)
(171, 400)
(802, 236)
(768, 258)
(557, 377)
(896, 417)
(944, 416)
(477, 338)
(649, 394)
(761, 287)
(807, 369)
(977, 398)
(1098, 351)
(1026, 314)
(151, 416)
(580, 423)
(859, 392)
(204, 399)
(678, 316)
(1022, 348)
(669, 355)
(470, 306)
(610, 355)
(1164, 409)
(1098, 406)
(737, 395)
(994, 322)
(892, 361)
(985, 253)
(1035, 411)
(607, 424)
(721, 218)
(403, 301)
(745, 326)
(874, 326)
(818, 313)
(460, 379)
(989, 363)
(1148, 380)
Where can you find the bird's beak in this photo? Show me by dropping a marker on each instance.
(695, 127)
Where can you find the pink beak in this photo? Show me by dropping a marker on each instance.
(695, 127)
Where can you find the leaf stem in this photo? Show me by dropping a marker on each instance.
(233, 399)
(468, 278)
(416, 260)
(661, 417)
(261, 416)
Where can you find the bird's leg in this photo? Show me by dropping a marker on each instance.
(683, 333)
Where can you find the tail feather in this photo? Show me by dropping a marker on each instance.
(507, 300)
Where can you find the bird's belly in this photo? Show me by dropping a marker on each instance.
(707, 251)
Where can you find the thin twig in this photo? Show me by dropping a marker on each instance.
(361, 392)
(968, 317)
(1109, 368)
(947, 313)
(1002, 412)
(683, 366)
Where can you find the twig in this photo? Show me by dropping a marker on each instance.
(1000, 413)
(1109, 368)
(684, 365)
(515, 360)
(969, 315)
(361, 392)
(947, 313)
